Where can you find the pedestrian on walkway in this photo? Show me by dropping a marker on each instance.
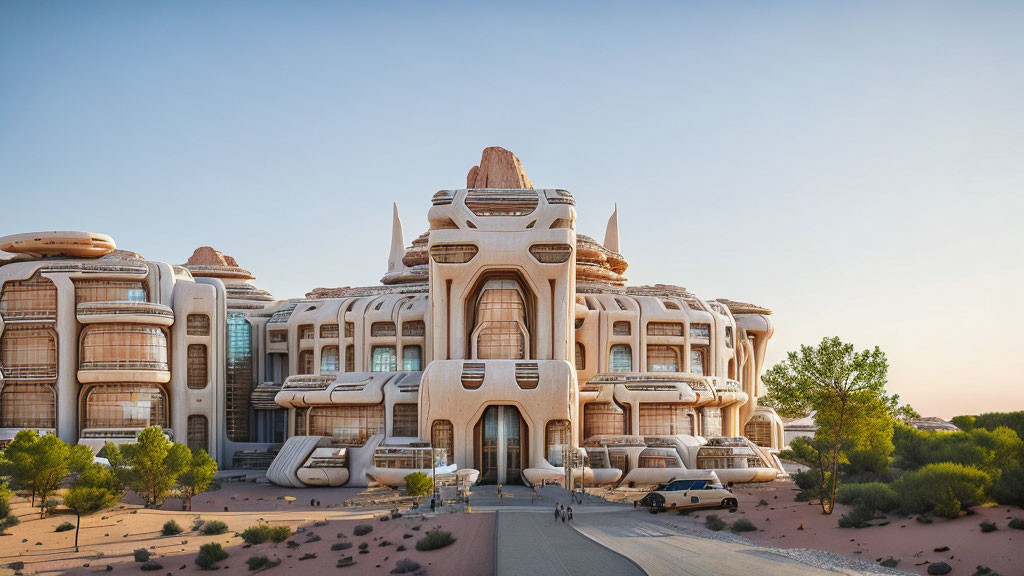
(569, 510)
(433, 504)
(563, 516)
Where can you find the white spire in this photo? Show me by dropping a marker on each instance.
(397, 244)
(611, 234)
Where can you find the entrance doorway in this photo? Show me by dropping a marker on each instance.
(500, 439)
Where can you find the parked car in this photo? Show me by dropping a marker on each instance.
(688, 495)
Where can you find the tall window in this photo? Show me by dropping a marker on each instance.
(350, 329)
(581, 357)
(556, 437)
(306, 332)
(32, 298)
(198, 432)
(662, 358)
(109, 291)
(500, 326)
(328, 330)
(125, 406)
(27, 405)
(759, 431)
(729, 340)
(329, 360)
(621, 328)
(603, 418)
(621, 358)
(664, 419)
(698, 360)
(347, 425)
(384, 359)
(28, 351)
(197, 325)
(350, 358)
(197, 377)
(711, 422)
(239, 381)
(442, 435)
(306, 362)
(411, 358)
(123, 347)
(405, 420)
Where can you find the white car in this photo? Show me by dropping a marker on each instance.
(688, 495)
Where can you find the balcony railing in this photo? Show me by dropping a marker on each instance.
(123, 365)
(102, 311)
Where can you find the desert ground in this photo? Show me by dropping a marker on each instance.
(108, 538)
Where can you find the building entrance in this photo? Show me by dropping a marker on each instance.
(501, 445)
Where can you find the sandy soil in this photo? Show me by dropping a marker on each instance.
(109, 538)
(904, 538)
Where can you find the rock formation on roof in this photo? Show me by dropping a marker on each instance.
(207, 256)
(498, 168)
(743, 307)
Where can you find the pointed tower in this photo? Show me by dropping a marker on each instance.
(611, 233)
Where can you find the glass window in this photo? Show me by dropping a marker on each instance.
(663, 358)
(759, 431)
(198, 325)
(300, 421)
(125, 406)
(239, 376)
(621, 328)
(664, 328)
(711, 422)
(123, 347)
(442, 435)
(32, 298)
(198, 433)
(581, 357)
(664, 419)
(197, 378)
(27, 405)
(604, 418)
(621, 358)
(500, 328)
(350, 329)
(329, 360)
(411, 358)
(658, 458)
(414, 329)
(306, 362)
(728, 337)
(328, 330)
(700, 331)
(109, 291)
(278, 336)
(347, 425)
(350, 358)
(28, 351)
(384, 359)
(698, 361)
(306, 332)
(556, 437)
(406, 421)
(382, 329)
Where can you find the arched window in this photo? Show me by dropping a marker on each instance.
(442, 435)
(198, 432)
(581, 357)
(699, 360)
(556, 437)
(658, 458)
(759, 431)
(306, 362)
(411, 358)
(125, 406)
(621, 358)
(32, 298)
(329, 360)
(123, 347)
(500, 326)
(384, 359)
(28, 351)
(604, 418)
(197, 366)
(25, 405)
(663, 358)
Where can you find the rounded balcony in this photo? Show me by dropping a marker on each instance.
(123, 353)
(125, 312)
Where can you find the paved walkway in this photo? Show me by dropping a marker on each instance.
(533, 543)
(661, 549)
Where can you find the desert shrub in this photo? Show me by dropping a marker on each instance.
(141, 554)
(1010, 487)
(418, 484)
(261, 563)
(341, 546)
(945, 488)
(1017, 524)
(873, 495)
(384, 543)
(312, 538)
(858, 517)
(363, 545)
(805, 479)
(405, 566)
(16, 566)
(279, 534)
(400, 548)
(64, 527)
(362, 529)
(151, 565)
(263, 532)
(992, 420)
(214, 527)
(308, 556)
(743, 525)
(345, 562)
(435, 539)
(988, 527)
(171, 528)
(713, 522)
(210, 554)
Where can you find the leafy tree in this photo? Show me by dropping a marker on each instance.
(6, 518)
(96, 488)
(16, 462)
(150, 466)
(846, 391)
(944, 488)
(197, 478)
(993, 420)
(50, 460)
(418, 484)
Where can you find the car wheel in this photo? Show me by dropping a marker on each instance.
(730, 503)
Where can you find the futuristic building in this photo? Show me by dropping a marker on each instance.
(500, 343)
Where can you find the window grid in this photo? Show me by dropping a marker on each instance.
(347, 425)
(109, 291)
(197, 367)
(384, 359)
(125, 406)
(603, 418)
(329, 360)
(621, 358)
(123, 347)
(405, 420)
(442, 435)
(197, 436)
(32, 298)
(383, 329)
(501, 315)
(414, 329)
(197, 325)
(28, 351)
(28, 405)
(306, 362)
(412, 358)
(663, 358)
(621, 328)
(329, 331)
(556, 437)
(665, 329)
(665, 419)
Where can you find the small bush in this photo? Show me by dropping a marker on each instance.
(1017, 524)
(262, 533)
(400, 548)
(171, 528)
(261, 563)
(743, 525)
(418, 484)
(312, 538)
(405, 565)
(308, 556)
(50, 506)
(858, 517)
(713, 522)
(151, 565)
(141, 554)
(874, 495)
(984, 571)
(362, 529)
(210, 554)
(363, 545)
(279, 534)
(341, 546)
(944, 488)
(213, 527)
(435, 539)
(384, 543)
(64, 527)
(988, 527)
(345, 562)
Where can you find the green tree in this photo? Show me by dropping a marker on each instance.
(150, 466)
(846, 391)
(6, 518)
(96, 488)
(50, 460)
(197, 478)
(418, 484)
(16, 462)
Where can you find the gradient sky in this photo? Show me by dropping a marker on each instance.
(856, 167)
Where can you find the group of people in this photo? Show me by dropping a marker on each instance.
(562, 512)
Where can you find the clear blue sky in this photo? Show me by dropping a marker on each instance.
(857, 167)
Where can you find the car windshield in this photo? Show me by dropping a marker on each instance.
(678, 485)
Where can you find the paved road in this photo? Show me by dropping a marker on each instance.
(661, 549)
(533, 543)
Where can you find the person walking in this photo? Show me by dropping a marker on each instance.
(556, 513)
(563, 516)
(433, 504)
(569, 511)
